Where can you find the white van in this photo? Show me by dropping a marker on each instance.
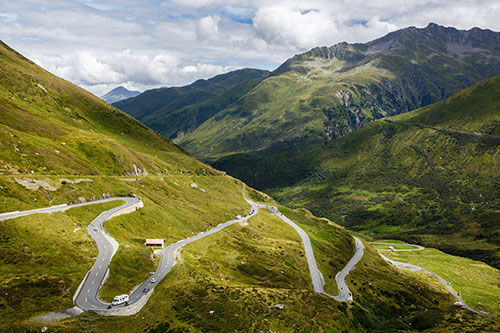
(120, 300)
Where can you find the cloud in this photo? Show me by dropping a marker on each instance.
(208, 27)
(140, 71)
(99, 44)
(294, 27)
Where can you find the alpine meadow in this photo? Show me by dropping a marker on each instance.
(249, 167)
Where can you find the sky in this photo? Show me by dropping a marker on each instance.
(144, 44)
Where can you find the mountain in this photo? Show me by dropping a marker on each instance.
(175, 111)
(430, 176)
(328, 92)
(60, 144)
(118, 94)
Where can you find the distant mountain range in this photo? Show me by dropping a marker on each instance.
(323, 94)
(303, 134)
(177, 111)
(429, 176)
(61, 144)
(118, 94)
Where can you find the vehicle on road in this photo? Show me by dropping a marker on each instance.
(145, 290)
(95, 229)
(120, 300)
(153, 280)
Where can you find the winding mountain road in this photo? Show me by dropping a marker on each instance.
(87, 298)
(317, 279)
(415, 268)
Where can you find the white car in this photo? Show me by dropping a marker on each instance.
(153, 280)
(95, 229)
(120, 300)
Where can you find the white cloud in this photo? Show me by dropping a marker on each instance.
(8, 17)
(100, 44)
(208, 27)
(140, 71)
(294, 27)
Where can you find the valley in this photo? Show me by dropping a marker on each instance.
(283, 222)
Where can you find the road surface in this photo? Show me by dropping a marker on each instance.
(317, 279)
(87, 294)
(416, 247)
(415, 268)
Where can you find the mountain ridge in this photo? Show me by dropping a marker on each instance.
(327, 92)
(60, 144)
(119, 93)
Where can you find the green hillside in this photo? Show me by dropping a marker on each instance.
(60, 144)
(328, 92)
(174, 112)
(429, 176)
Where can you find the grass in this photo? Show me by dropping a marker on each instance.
(44, 259)
(477, 282)
(62, 132)
(230, 281)
(251, 268)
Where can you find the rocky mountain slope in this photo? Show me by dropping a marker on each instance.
(60, 144)
(429, 176)
(118, 94)
(328, 92)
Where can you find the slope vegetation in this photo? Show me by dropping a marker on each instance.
(60, 144)
(327, 93)
(174, 112)
(428, 176)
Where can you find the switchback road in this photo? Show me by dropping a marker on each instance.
(87, 298)
(415, 268)
(316, 277)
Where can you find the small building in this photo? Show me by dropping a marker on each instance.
(154, 242)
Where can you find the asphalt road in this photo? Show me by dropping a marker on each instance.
(317, 279)
(416, 247)
(415, 268)
(53, 209)
(87, 297)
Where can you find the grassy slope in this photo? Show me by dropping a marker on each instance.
(301, 105)
(395, 178)
(241, 272)
(50, 126)
(478, 283)
(102, 144)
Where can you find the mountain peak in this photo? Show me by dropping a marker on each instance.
(119, 93)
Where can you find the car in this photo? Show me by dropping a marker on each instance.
(145, 290)
(153, 280)
(119, 300)
(95, 229)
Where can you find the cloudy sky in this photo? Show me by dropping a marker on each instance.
(142, 44)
